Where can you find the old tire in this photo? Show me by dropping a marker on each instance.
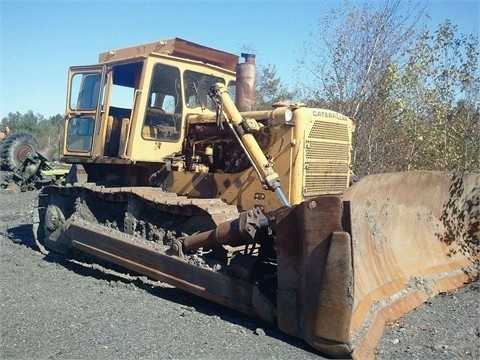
(16, 148)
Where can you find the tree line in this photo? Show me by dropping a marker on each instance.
(45, 130)
(413, 92)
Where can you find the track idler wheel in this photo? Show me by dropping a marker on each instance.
(55, 226)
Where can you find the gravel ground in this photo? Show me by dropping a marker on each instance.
(56, 309)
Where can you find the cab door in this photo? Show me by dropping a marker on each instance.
(84, 110)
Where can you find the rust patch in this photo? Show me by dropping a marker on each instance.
(461, 217)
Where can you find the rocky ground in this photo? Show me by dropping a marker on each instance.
(55, 309)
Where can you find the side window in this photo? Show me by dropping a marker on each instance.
(163, 117)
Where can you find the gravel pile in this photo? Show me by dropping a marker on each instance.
(51, 308)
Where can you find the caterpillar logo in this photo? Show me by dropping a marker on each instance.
(328, 114)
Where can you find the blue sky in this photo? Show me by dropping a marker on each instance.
(39, 40)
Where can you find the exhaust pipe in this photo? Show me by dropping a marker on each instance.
(245, 87)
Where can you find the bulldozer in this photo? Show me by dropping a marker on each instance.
(175, 176)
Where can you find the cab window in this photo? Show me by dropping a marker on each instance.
(85, 88)
(163, 117)
(197, 86)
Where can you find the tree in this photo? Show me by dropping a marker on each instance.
(439, 89)
(22, 122)
(413, 94)
(351, 64)
(269, 88)
(350, 55)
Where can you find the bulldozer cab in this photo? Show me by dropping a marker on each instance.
(133, 107)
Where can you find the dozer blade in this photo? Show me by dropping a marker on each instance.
(414, 235)
(346, 268)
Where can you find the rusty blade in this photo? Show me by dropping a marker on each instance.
(415, 234)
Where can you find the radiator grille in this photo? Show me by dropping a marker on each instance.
(316, 150)
(324, 184)
(325, 167)
(329, 131)
(327, 158)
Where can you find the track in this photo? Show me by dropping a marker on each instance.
(135, 229)
(144, 212)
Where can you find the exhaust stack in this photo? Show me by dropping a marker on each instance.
(245, 88)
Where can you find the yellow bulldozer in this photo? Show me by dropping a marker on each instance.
(175, 176)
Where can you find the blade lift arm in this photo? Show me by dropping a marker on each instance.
(242, 131)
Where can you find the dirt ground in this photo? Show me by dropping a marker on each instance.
(51, 308)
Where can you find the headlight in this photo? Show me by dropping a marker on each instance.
(289, 116)
(283, 115)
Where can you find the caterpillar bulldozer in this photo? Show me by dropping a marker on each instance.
(175, 176)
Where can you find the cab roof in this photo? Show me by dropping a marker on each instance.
(175, 47)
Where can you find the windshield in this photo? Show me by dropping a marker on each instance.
(197, 86)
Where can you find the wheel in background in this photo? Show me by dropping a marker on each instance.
(16, 148)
